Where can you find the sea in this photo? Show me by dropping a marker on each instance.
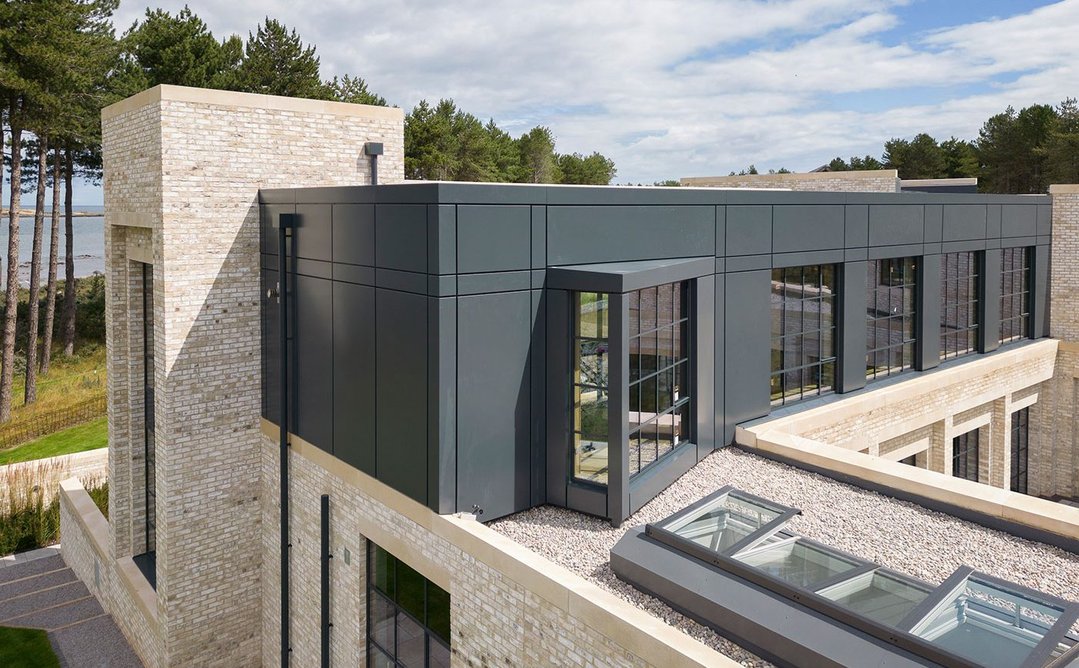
(88, 243)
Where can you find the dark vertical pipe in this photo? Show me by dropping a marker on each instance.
(285, 223)
(373, 149)
(326, 556)
(374, 170)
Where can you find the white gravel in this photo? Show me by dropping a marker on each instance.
(897, 534)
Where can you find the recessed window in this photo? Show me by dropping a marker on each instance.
(408, 616)
(1020, 449)
(591, 395)
(1015, 294)
(965, 456)
(803, 332)
(958, 304)
(890, 316)
(659, 373)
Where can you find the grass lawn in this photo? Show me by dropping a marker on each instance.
(26, 648)
(87, 436)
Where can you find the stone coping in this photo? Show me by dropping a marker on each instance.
(1064, 189)
(227, 98)
(646, 636)
(1013, 507)
(75, 500)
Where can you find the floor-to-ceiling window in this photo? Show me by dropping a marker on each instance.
(965, 456)
(890, 316)
(1014, 294)
(1020, 449)
(959, 274)
(803, 332)
(659, 372)
(408, 616)
(147, 560)
(590, 396)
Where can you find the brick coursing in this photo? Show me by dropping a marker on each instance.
(884, 182)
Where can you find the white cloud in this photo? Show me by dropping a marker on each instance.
(686, 87)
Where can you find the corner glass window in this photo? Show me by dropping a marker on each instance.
(659, 371)
(958, 304)
(408, 616)
(590, 386)
(965, 456)
(890, 316)
(803, 332)
(1014, 294)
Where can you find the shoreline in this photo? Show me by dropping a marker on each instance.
(29, 213)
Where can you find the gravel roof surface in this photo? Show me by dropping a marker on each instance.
(897, 534)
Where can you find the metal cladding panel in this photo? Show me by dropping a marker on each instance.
(992, 221)
(537, 365)
(588, 234)
(442, 239)
(271, 349)
(1039, 291)
(311, 361)
(747, 362)
(494, 449)
(851, 332)
(857, 225)
(724, 432)
(962, 222)
(442, 405)
(493, 238)
(312, 237)
(704, 349)
(1045, 219)
(989, 307)
(354, 234)
(354, 375)
(749, 230)
(401, 401)
(401, 237)
(893, 224)
(928, 309)
(269, 214)
(557, 436)
(807, 228)
(934, 223)
(1019, 220)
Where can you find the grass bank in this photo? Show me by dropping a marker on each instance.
(80, 438)
(26, 648)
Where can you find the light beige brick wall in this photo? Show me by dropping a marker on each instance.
(183, 168)
(870, 181)
(934, 408)
(1054, 432)
(509, 606)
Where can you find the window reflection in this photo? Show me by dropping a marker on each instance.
(958, 304)
(1015, 294)
(590, 387)
(890, 316)
(803, 332)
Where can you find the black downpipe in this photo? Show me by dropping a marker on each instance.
(326, 556)
(285, 224)
(373, 150)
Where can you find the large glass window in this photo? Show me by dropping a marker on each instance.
(408, 616)
(659, 370)
(890, 316)
(1020, 449)
(965, 456)
(958, 304)
(590, 387)
(803, 332)
(1015, 294)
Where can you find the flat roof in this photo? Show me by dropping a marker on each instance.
(900, 535)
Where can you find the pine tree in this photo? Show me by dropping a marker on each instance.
(276, 62)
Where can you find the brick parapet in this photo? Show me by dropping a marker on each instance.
(869, 181)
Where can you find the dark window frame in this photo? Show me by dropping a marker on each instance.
(794, 326)
(678, 372)
(960, 288)
(149, 435)
(897, 279)
(374, 591)
(966, 455)
(599, 385)
(1020, 450)
(1015, 294)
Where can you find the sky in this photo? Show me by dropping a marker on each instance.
(679, 88)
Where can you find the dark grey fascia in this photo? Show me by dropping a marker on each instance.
(628, 276)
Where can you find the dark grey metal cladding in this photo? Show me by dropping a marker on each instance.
(927, 347)
(401, 237)
(1039, 316)
(494, 403)
(354, 234)
(628, 276)
(354, 391)
(807, 228)
(749, 230)
(746, 361)
(851, 332)
(894, 224)
(311, 360)
(442, 404)
(269, 215)
(989, 307)
(558, 428)
(704, 352)
(1019, 220)
(591, 234)
(964, 222)
(312, 237)
(537, 365)
(493, 238)
(401, 404)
